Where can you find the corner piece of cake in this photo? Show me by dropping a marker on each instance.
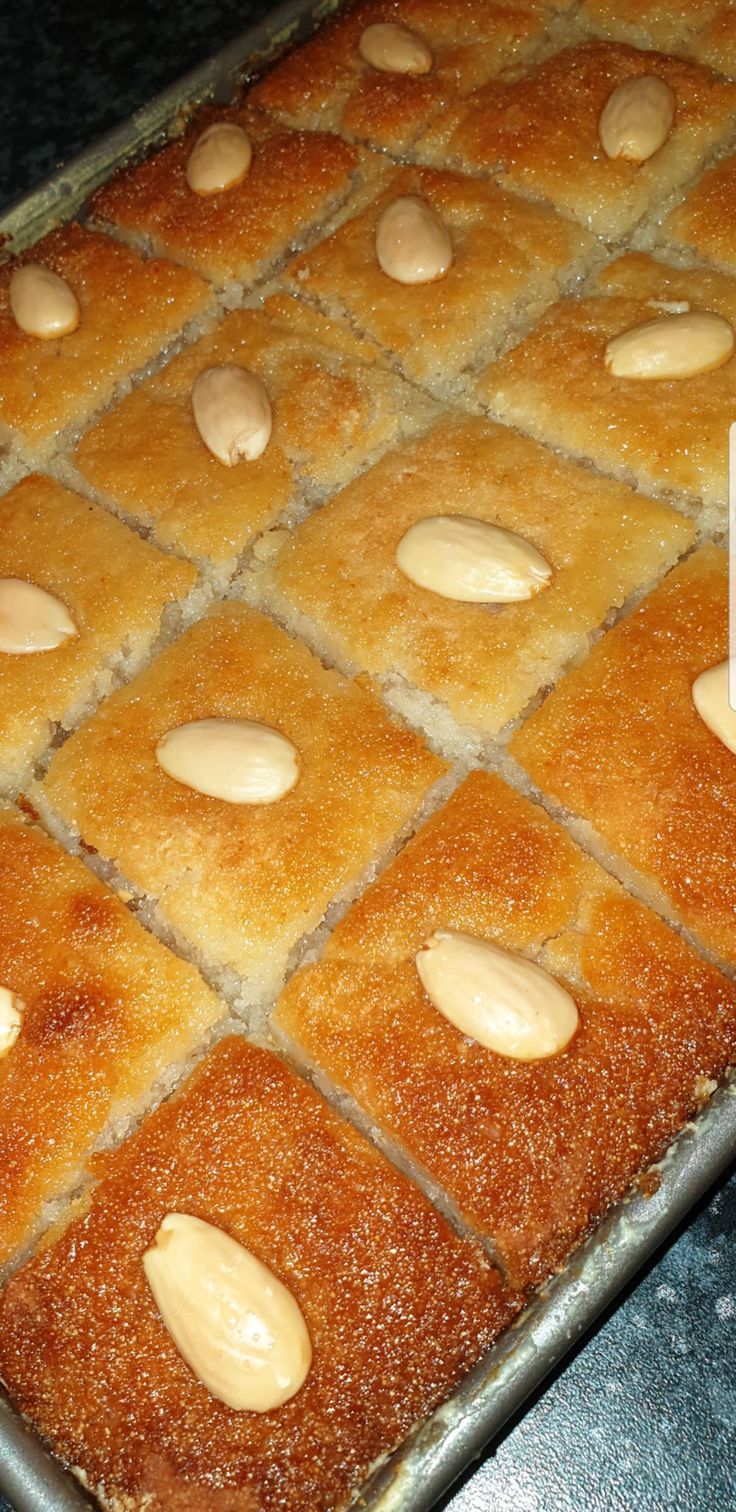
(396, 1306)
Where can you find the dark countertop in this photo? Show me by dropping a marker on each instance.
(643, 1417)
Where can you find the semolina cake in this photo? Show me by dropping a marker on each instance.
(531, 1151)
(106, 1011)
(667, 436)
(115, 587)
(242, 883)
(483, 661)
(668, 25)
(397, 1306)
(539, 133)
(335, 407)
(510, 260)
(620, 743)
(716, 44)
(130, 308)
(239, 234)
(705, 222)
(326, 82)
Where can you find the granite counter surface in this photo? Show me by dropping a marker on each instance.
(643, 1417)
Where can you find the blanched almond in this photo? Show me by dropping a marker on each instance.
(710, 696)
(471, 561)
(637, 118)
(412, 245)
(31, 619)
(42, 303)
(235, 760)
(219, 159)
(232, 413)
(676, 346)
(394, 49)
(501, 1000)
(11, 1019)
(232, 1320)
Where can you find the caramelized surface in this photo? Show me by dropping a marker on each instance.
(115, 587)
(107, 1009)
(507, 258)
(705, 222)
(334, 406)
(671, 25)
(484, 661)
(532, 1152)
(396, 1305)
(667, 435)
(242, 883)
(294, 182)
(620, 742)
(326, 82)
(130, 309)
(539, 133)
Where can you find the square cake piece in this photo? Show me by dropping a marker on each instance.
(335, 406)
(539, 133)
(327, 83)
(396, 1305)
(483, 661)
(705, 222)
(510, 260)
(620, 743)
(296, 180)
(130, 309)
(114, 587)
(105, 1010)
(665, 436)
(532, 1151)
(242, 882)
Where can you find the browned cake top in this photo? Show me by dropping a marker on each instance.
(540, 133)
(620, 742)
(106, 1009)
(532, 1152)
(396, 1305)
(242, 882)
(326, 82)
(130, 309)
(114, 586)
(294, 181)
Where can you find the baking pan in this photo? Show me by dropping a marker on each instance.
(438, 1451)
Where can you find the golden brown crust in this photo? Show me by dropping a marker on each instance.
(705, 222)
(294, 181)
(334, 405)
(668, 25)
(532, 1152)
(716, 45)
(107, 1010)
(326, 83)
(115, 587)
(662, 435)
(539, 134)
(242, 883)
(601, 541)
(620, 742)
(509, 256)
(397, 1306)
(130, 309)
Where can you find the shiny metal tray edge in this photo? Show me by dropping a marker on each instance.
(424, 1468)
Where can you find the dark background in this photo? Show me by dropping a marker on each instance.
(643, 1417)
